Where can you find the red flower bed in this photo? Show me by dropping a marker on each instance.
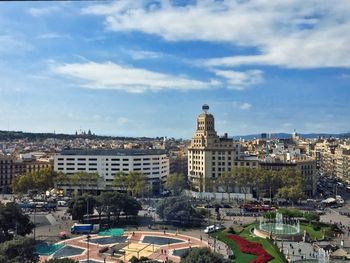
(251, 248)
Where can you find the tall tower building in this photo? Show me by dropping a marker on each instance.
(209, 155)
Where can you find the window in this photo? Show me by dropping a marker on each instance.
(92, 159)
(92, 169)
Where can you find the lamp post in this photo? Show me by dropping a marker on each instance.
(88, 240)
(33, 221)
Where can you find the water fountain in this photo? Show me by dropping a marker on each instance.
(322, 256)
(278, 228)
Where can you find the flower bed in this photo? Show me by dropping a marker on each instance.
(251, 248)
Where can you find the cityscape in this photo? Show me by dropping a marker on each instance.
(174, 131)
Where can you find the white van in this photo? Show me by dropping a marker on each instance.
(210, 229)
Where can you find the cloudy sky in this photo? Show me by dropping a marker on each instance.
(144, 68)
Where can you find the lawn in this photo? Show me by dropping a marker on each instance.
(246, 233)
(239, 256)
(314, 234)
(242, 257)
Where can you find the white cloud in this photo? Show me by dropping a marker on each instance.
(143, 54)
(290, 33)
(13, 44)
(119, 77)
(43, 11)
(52, 36)
(239, 80)
(245, 106)
(242, 105)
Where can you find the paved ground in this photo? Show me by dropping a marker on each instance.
(135, 247)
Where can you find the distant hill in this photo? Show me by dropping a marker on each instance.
(288, 135)
(11, 135)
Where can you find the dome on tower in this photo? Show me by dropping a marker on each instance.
(205, 107)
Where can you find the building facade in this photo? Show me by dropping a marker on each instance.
(209, 155)
(11, 167)
(307, 169)
(154, 164)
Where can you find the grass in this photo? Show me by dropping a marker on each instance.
(239, 255)
(246, 233)
(314, 234)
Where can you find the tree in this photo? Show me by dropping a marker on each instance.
(81, 206)
(85, 180)
(292, 184)
(176, 183)
(227, 183)
(178, 210)
(133, 182)
(19, 250)
(203, 255)
(39, 180)
(114, 203)
(13, 221)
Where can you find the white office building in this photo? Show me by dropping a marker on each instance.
(154, 164)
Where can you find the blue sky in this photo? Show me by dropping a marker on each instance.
(144, 68)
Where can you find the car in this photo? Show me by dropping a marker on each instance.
(227, 206)
(151, 209)
(213, 228)
(219, 227)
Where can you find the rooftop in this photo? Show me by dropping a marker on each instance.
(113, 152)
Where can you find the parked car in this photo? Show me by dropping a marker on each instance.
(213, 228)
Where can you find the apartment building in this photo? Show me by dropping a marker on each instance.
(154, 164)
(209, 155)
(11, 167)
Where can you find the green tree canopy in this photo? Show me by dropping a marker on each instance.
(13, 221)
(178, 210)
(19, 250)
(203, 255)
(176, 183)
(41, 180)
(80, 206)
(133, 182)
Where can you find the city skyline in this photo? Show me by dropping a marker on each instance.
(145, 68)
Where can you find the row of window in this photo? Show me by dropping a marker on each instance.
(112, 159)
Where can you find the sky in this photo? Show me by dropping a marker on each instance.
(145, 68)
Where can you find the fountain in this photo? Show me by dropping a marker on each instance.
(279, 221)
(322, 256)
(278, 228)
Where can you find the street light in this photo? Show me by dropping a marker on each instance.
(88, 240)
